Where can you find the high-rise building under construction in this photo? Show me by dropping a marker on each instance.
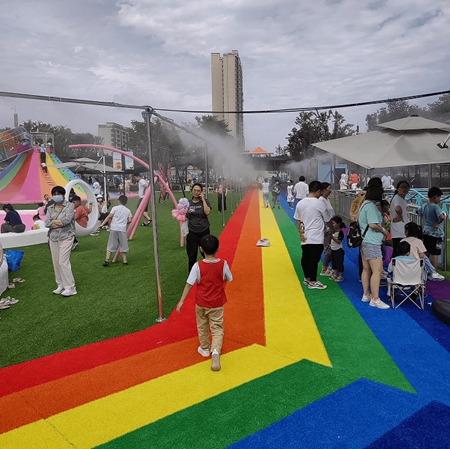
(228, 93)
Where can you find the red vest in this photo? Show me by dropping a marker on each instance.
(211, 289)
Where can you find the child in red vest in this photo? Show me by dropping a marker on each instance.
(210, 274)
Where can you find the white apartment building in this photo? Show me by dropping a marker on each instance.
(114, 135)
(228, 93)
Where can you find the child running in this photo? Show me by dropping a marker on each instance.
(120, 217)
(210, 274)
(337, 251)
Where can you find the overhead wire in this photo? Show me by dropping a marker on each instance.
(199, 111)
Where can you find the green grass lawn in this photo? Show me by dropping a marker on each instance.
(111, 301)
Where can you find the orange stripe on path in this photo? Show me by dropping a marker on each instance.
(176, 328)
(244, 312)
(51, 398)
(244, 325)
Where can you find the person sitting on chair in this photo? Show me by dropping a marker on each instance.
(404, 249)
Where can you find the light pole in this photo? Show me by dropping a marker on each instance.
(147, 114)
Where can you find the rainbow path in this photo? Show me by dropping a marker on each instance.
(300, 368)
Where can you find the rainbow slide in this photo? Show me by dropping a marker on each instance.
(300, 368)
(25, 182)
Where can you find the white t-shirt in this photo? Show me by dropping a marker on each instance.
(313, 214)
(386, 181)
(398, 229)
(328, 206)
(142, 186)
(194, 275)
(290, 193)
(40, 224)
(265, 187)
(120, 218)
(417, 247)
(301, 190)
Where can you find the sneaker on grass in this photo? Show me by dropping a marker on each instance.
(69, 292)
(317, 285)
(58, 291)
(379, 304)
(203, 352)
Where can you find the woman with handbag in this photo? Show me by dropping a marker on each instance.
(371, 220)
(60, 220)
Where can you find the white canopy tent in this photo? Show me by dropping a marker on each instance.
(407, 141)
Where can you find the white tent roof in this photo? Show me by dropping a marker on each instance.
(409, 141)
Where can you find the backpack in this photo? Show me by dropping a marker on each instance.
(354, 236)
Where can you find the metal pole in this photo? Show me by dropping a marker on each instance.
(206, 170)
(148, 115)
(104, 179)
(222, 199)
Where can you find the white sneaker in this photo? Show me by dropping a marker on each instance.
(215, 364)
(436, 277)
(366, 298)
(69, 292)
(317, 285)
(203, 352)
(378, 303)
(58, 291)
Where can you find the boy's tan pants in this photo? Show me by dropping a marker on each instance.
(210, 319)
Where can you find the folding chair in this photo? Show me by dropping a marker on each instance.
(408, 278)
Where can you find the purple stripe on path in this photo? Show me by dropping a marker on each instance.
(438, 289)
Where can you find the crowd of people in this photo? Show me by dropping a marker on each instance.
(381, 222)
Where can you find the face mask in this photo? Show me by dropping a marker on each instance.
(58, 198)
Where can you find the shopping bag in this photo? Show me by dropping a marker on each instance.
(13, 258)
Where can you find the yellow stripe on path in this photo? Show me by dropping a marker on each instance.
(290, 326)
(291, 335)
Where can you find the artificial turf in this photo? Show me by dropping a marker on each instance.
(111, 301)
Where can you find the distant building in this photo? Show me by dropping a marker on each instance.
(114, 135)
(228, 93)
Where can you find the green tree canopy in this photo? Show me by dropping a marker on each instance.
(439, 111)
(394, 110)
(63, 137)
(212, 124)
(166, 141)
(314, 126)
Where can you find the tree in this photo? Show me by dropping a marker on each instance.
(63, 137)
(213, 125)
(313, 126)
(280, 151)
(395, 110)
(166, 142)
(440, 110)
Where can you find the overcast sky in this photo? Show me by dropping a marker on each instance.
(158, 52)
